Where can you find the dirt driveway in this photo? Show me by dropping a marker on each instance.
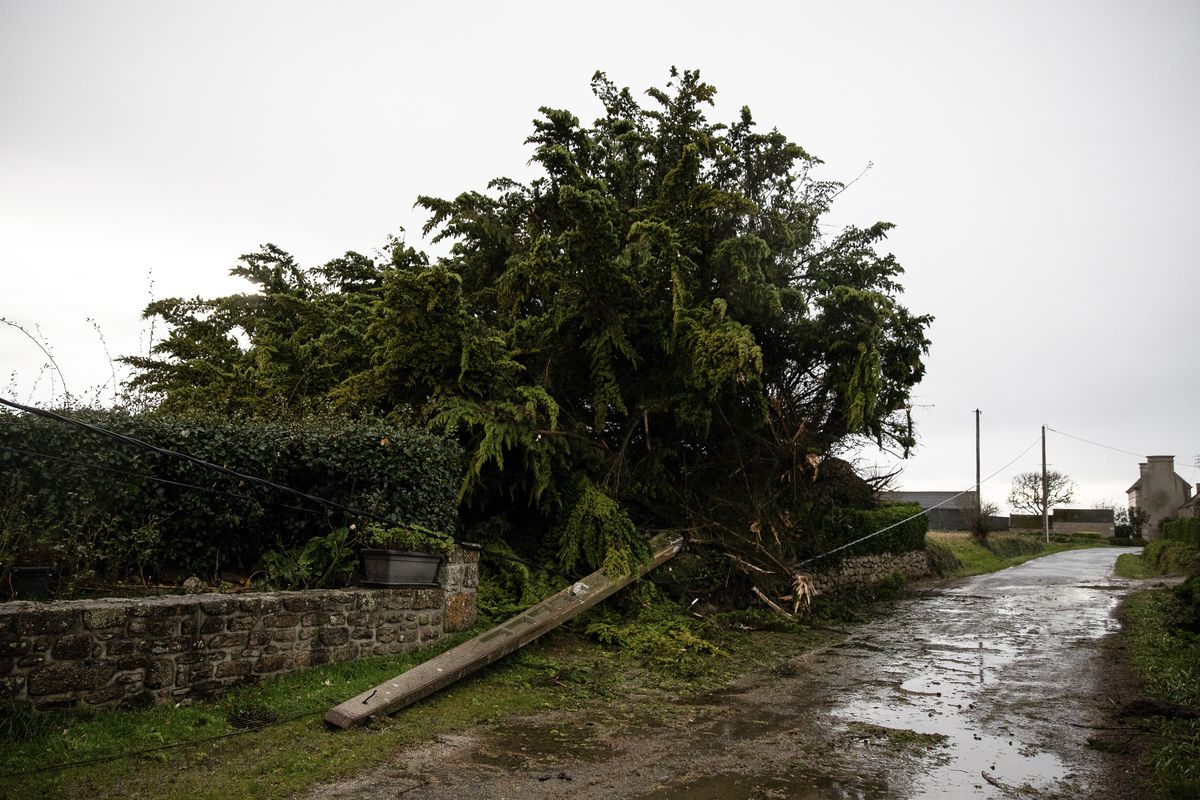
(988, 689)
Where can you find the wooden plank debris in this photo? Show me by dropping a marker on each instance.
(458, 662)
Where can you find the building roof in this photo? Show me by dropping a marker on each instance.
(928, 500)
(1187, 487)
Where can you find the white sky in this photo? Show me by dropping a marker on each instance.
(1040, 160)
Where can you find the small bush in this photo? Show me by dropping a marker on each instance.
(1166, 556)
(1188, 596)
(1186, 529)
(907, 524)
(1010, 546)
(942, 559)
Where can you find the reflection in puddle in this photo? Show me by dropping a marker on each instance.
(517, 746)
(790, 785)
(954, 655)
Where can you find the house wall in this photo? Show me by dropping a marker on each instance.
(141, 651)
(1160, 492)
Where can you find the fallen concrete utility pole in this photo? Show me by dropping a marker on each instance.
(459, 662)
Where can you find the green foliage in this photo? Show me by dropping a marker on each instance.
(654, 331)
(84, 501)
(507, 588)
(1187, 597)
(907, 528)
(1016, 545)
(942, 559)
(411, 537)
(1166, 657)
(1168, 557)
(321, 562)
(1132, 566)
(656, 631)
(597, 532)
(1185, 529)
(1078, 536)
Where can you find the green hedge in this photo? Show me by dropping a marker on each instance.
(81, 511)
(1172, 557)
(1186, 529)
(850, 524)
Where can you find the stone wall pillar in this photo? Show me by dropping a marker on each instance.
(459, 577)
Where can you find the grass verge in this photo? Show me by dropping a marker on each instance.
(198, 751)
(1133, 567)
(957, 555)
(644, 648)
(1166, 658)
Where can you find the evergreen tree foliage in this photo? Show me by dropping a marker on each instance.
(652, 333)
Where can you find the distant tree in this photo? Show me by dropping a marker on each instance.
(977, 519)
(1121, 527)
(1137, 520)
(1026, 494)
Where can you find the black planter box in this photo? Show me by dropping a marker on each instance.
(399, 568)
(32, 583)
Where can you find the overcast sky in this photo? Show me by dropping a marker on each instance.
(1041, 161)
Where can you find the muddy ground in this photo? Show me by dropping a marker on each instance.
(990, 688)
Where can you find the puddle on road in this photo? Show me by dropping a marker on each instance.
(763, 722)
(977, 668)
(971, 750)
(959, 650)
(794, 786)
(518, 746)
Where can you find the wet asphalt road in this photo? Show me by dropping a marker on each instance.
(1003, 666)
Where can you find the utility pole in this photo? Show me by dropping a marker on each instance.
(1045, 491)
(978, 496)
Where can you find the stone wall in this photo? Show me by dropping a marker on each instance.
(140, 651)
(863, 571)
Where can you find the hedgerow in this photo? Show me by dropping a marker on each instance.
(1185, 529)
(84, 500)
(908, 533)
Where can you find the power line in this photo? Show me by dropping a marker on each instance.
(349, 510)
(922, 512)
(354, 512)
(996, 431)
(144, 477)
(1097, 444)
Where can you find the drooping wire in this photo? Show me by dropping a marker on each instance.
(996, 431)
(145, 477)
(921, 513)
(354, 512)
(1097, 444)
(348, 510)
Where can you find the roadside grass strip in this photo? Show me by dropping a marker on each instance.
(1167, 660)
